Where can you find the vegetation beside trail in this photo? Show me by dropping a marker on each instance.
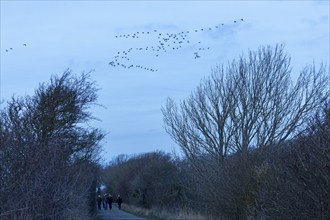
(162, 214)
(256, 146)
(49, 153)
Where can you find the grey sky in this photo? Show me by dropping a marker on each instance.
(80, 35)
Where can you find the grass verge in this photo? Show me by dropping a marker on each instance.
(161, 214)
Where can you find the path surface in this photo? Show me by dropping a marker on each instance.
(116, 214)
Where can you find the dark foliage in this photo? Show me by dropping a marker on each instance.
(47, 154)
(147, 180)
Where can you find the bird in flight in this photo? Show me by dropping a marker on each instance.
(11, 48)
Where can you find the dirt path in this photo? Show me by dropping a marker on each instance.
(116, 214)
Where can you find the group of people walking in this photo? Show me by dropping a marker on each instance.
(107, 201)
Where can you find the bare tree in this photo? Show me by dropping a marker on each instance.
(250, 103)
(48, 152)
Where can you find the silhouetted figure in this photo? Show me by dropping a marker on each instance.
(99, 201)
(119, 201)
(109, 201)
(105, 205)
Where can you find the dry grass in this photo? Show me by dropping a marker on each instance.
(161, 214)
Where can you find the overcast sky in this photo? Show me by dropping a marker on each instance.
(145, 51)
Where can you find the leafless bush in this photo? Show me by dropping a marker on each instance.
(298, 182)
(47, 152)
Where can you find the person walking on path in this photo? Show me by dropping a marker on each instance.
(105, 201)
(119, 201)
(109, 201)
(99, 201)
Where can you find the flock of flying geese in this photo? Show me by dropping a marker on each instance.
(165, 42)
(8, 50)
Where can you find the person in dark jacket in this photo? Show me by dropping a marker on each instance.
(109, 201)
(119, 201)
(105, 205)
(99, 201)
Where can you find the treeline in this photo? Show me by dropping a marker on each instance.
(255, 145)
(286, 181)
(145, 180)
(49, 153)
